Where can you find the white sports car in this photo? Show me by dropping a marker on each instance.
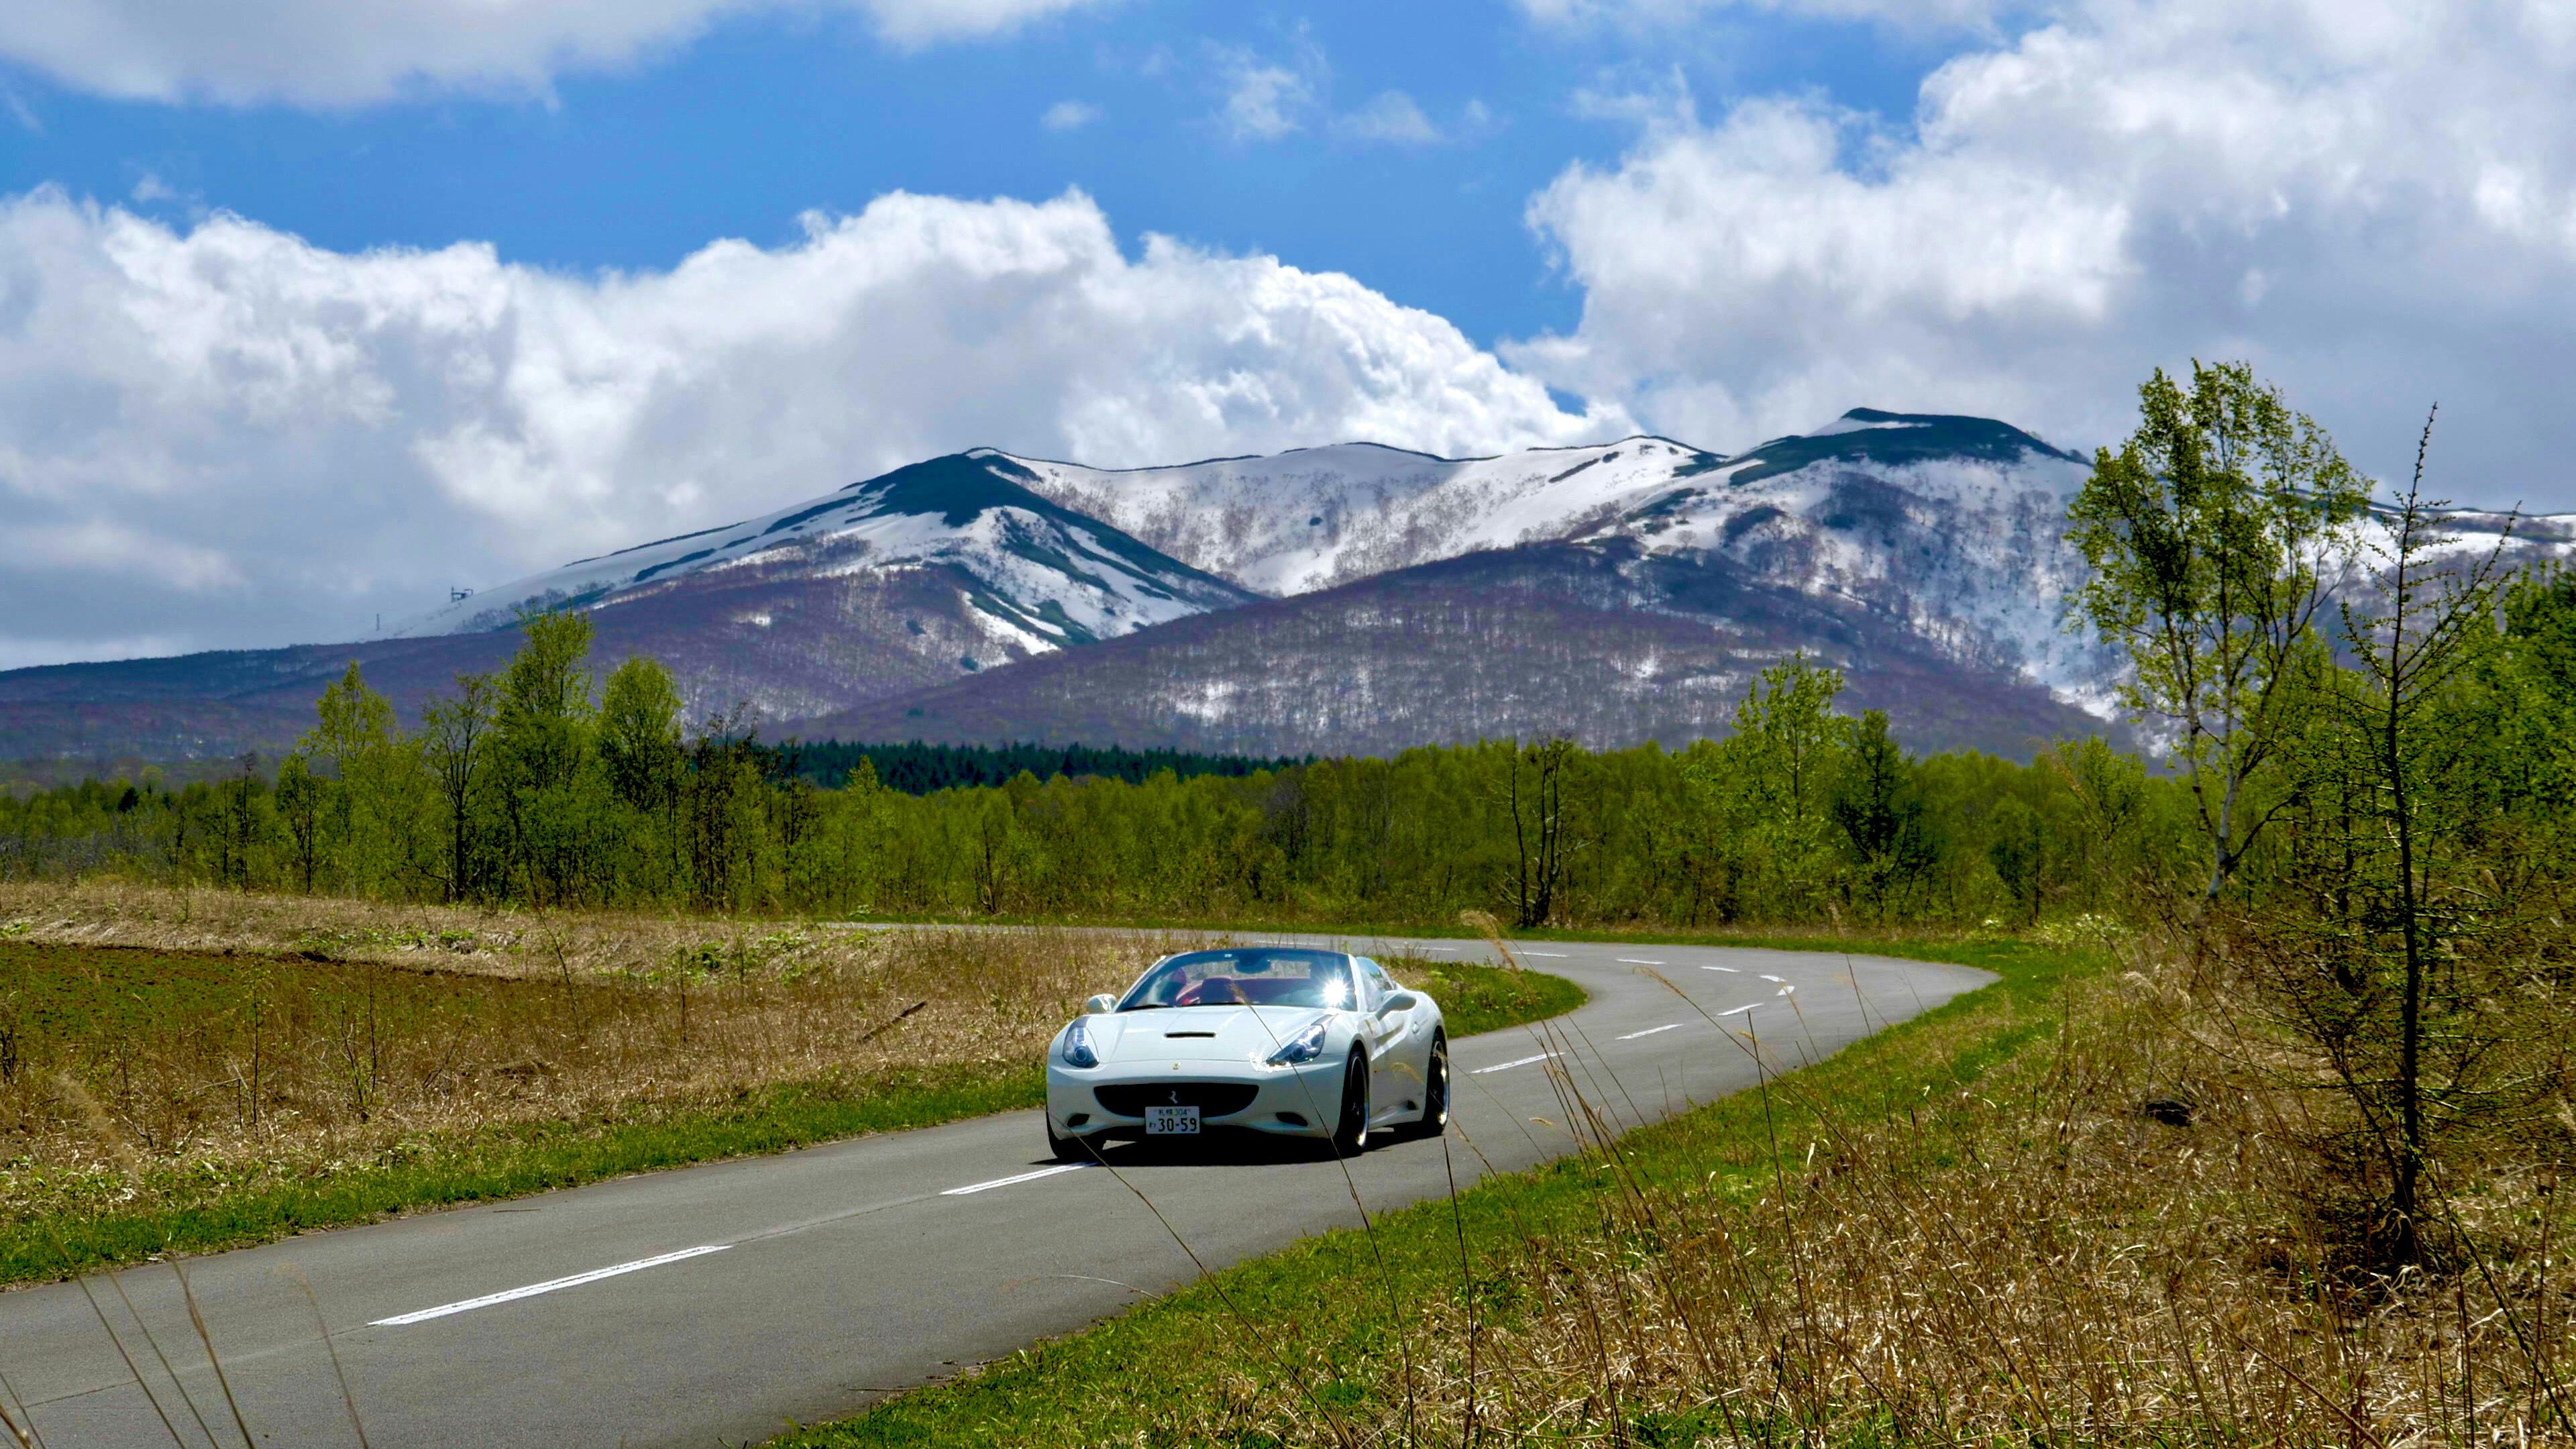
(1293, 1042)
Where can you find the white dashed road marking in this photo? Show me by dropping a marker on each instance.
(1560, 955)
(1738, 1010)
(1650, 1031)
(1637, 961)
(1506, 1066)
(1014, 1178)
(1729, 970)
(549, 1286)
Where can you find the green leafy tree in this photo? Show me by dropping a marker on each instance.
(639, 735)
(544, 757)
(1770, 783)
(1882, 817)
(352, 739)
(456, 735)
(2216, 536)
(299, 810)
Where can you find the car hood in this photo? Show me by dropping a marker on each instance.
(1198, 1033)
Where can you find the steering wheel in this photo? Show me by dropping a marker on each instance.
(1214, 991)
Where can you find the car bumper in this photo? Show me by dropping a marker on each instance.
(1289, 1102)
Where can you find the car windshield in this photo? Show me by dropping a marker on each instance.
(1252, 976)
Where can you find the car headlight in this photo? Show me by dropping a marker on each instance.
(1305, 1046)
(1077, 1047)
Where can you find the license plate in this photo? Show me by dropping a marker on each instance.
(1171, 1121)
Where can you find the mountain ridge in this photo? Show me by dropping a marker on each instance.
(1895, 545)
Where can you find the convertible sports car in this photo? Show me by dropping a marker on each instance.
(1292, 1042)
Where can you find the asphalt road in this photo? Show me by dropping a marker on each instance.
(711, 1305)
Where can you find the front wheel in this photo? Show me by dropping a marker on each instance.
(1351, 1132)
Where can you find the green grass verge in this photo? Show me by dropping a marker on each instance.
(1477, 998)
(1323, 1340)
(515, 1160)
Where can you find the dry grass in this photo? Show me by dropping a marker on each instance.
(340, 1035)
(2032, 1259)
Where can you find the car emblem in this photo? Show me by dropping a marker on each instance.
(1175, 1095)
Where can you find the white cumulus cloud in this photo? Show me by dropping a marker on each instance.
(338, 53)
(225, 435)
(2374, 201)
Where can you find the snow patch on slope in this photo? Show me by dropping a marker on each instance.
(1034, 577)
(1955, 526)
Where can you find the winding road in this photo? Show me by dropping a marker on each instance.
(712, 1305)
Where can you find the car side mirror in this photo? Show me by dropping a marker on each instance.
(1400, 1001)
(1098, 1004)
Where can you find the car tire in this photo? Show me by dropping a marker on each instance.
(1351, 1128)
(1066, 1149)
(1435, 1089)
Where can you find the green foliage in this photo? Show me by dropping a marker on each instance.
(1477, 998)
(2215, 535)
(922, 769)
(2398, 922)
(2409, 913)
(526, 787)
(639, 735)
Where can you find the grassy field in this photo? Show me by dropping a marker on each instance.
(1967, 1229)
(338, 1066)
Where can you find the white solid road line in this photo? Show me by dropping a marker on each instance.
(1504, 1066)
(1636, 961)
(549, 1286)
(1017, 1178)
(1650, 1031)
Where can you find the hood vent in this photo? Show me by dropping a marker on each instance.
(1176, 1035)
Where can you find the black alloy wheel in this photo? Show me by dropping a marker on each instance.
(1435, 1090)
(1351, 1132)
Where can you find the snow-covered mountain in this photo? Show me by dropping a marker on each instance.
(1618, 592)
(1030, 574)
(1953, 525)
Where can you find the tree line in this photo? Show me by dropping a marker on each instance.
(920, 768)
(541, 786)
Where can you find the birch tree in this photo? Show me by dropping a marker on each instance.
(2217, 536)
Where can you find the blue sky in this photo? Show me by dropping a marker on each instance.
(309, 309)
(767, 116)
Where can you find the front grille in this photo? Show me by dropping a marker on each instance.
(1213, 1099)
